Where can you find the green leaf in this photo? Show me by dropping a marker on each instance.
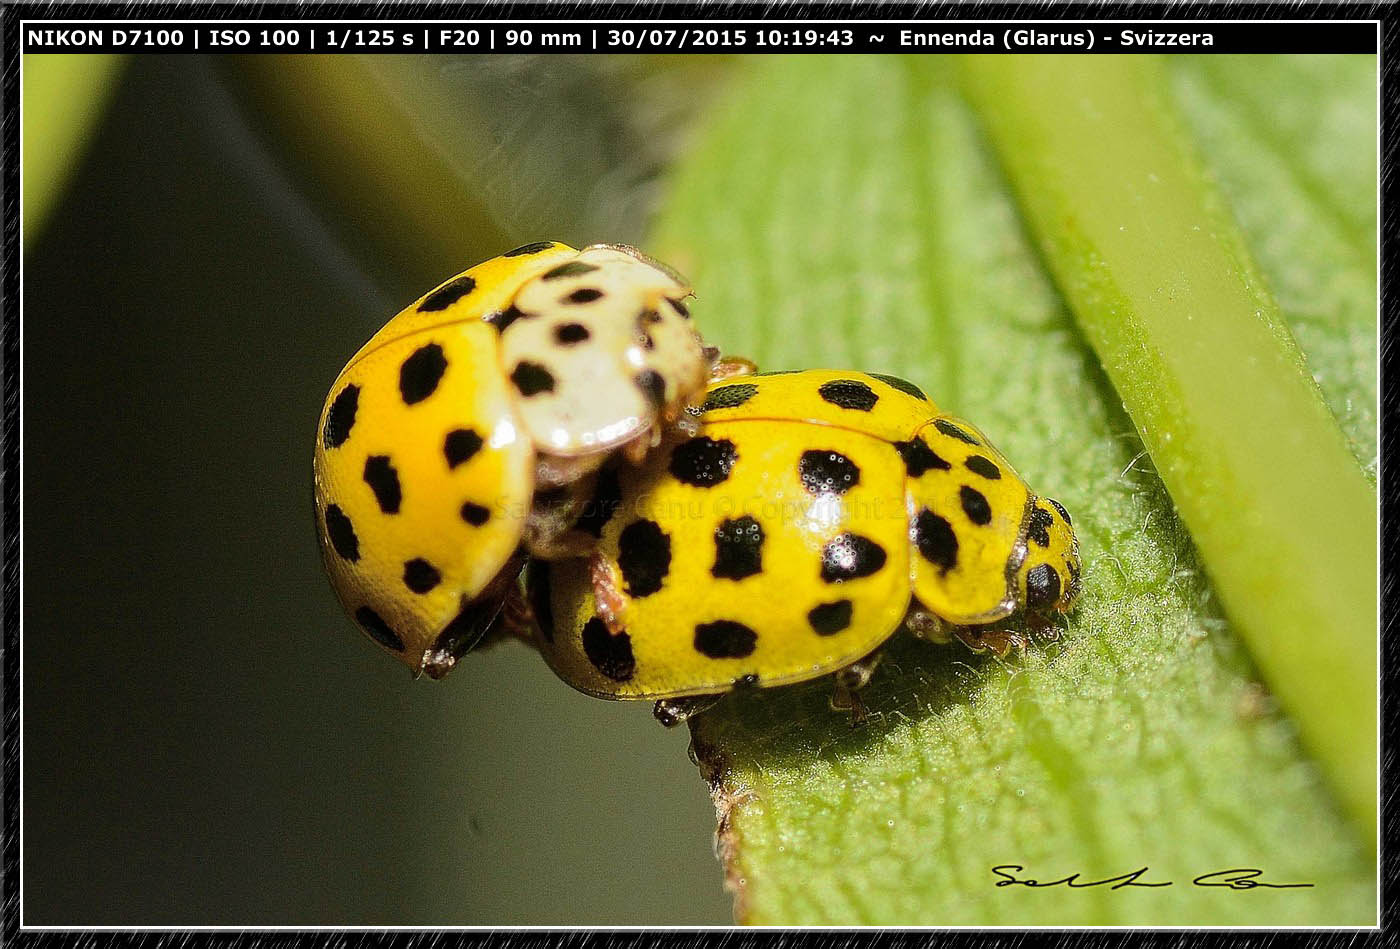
(1299, 175)
(1164, 289)
(846, 211)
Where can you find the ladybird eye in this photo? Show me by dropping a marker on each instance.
(1042, 587)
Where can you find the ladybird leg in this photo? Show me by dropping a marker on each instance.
(684, 422)
(480, 620)
(1042, 626)
(857, 675)
(550, 532)
(846, 700)
(926, 626)
(848, 683)
(686, 425)
(999, 641)
(684, 419)
(607, 592)
(515, 621)
(636, 450)
(570, 546)
(671, 712)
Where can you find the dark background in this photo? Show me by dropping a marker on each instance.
(207, 739)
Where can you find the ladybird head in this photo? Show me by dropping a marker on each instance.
(605, 350)
(674, 359)
(1048, 580)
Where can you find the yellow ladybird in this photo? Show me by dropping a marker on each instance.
(785, 541)
(523, 373)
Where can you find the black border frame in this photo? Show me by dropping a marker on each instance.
(1389, 353)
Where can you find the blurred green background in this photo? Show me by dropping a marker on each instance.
(207, 739)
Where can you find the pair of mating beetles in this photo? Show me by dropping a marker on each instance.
(544, 446)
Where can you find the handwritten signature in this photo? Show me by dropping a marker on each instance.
(1238, 878)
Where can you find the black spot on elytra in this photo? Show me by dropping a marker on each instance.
(827, 472)
(607, 498)
(583, 295)
(903, 385)
(830, 618)
(934, 537)
(1060, 507)
(537, 586)
(341, 418)
(531, 379)
(611, 655)
(571, 334)
(728, 397)
(952, 431)
(975, 506)
(644, 556)
(504, 318)
(420, 576)
(849, 557)
(342, 533)
(1041, 522)
(983, 466)
(383, 480)
(447, 294)
(919, 458)
(652, 386)
(680, 308)
(574, 268)
(420, 373)
(378, 630)
(524, 249)
(725, 639)
(460, 445)
(738, 549)
(849, 394)
(703, 462)
(1042, 587)
(475, 514)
